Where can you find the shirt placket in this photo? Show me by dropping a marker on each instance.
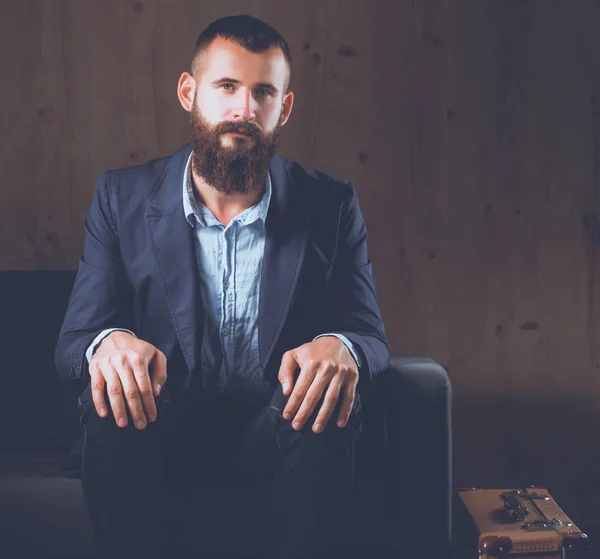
(228, 298)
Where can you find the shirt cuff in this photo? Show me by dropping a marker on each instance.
(347, 343)
(92, 348)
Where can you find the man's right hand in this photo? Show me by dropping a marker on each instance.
(121, 363)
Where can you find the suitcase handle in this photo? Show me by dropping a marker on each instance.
(514, 504)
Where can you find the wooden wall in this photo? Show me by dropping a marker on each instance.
(471, 129)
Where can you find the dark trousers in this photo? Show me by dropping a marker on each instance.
(129, 476)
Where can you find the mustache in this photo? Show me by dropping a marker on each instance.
(242, 127)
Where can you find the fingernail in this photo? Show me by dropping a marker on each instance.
(287, 415)
(158, 387)
(317, 427)
(102, 412)
(296, 425)
(122, 422)
(340, 423)
(285, 386)
(140, 424)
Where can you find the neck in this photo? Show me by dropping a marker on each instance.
(226, 206)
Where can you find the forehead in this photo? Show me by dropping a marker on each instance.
(225, 58)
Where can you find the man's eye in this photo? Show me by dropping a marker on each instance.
(264, 92)
(227, 86)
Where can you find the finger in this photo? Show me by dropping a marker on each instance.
(287, 370)
(158, 371)
(115, 394)
(97, 384)
(309, 404)
(303, 382)
(130, 391)
(329, 402)
(142, 379)
(349, 393)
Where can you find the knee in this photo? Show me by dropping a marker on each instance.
(345, 434)
(103, 434)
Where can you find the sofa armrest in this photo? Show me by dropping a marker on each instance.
(416, 397)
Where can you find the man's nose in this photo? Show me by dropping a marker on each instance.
(244, 107)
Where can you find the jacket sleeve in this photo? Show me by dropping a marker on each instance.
(354, 307)
(101, 296)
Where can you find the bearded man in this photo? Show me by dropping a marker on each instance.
(224, 311)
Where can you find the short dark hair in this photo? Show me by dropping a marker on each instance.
(247, 31)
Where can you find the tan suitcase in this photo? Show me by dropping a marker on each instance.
(520, 523)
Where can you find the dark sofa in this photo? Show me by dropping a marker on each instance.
(403, 475)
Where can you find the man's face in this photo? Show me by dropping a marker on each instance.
(238, 109)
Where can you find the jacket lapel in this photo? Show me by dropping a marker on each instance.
(287, 231)
(173, 246)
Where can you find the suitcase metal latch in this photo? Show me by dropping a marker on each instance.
(550, 524)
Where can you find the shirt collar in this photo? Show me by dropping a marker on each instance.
(196, 211)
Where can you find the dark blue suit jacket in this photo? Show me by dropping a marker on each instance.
(139, 270)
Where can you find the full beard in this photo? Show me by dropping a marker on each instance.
(235, 169)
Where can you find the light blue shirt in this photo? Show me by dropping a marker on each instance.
(230, 262)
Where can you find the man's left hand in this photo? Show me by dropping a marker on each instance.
(326, 365)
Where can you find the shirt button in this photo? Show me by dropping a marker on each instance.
(225, 284)
(224, 331)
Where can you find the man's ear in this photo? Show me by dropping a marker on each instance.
(286, 109)
(186, 90)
